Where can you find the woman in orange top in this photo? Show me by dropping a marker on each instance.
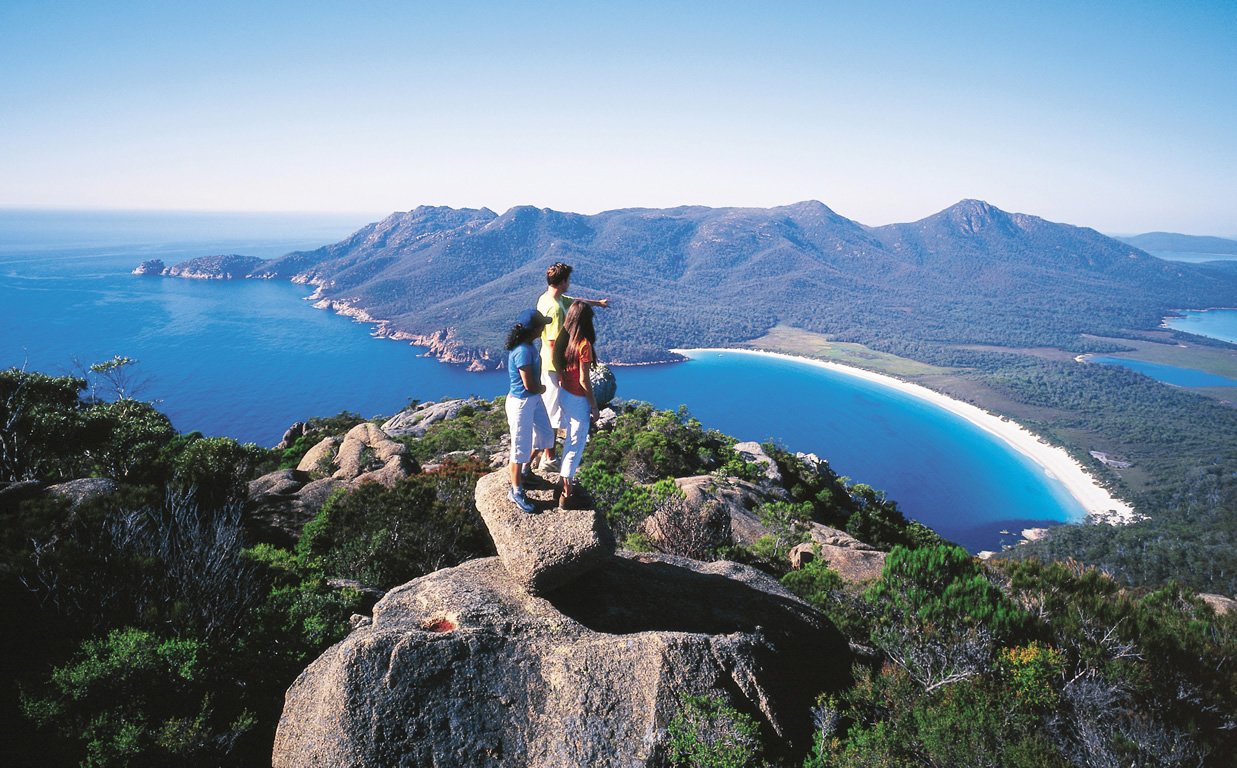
(574, 357)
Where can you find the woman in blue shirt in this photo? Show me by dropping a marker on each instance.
(526, 414)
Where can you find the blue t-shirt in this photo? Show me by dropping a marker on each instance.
(520, 357)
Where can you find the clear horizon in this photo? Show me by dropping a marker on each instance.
(1113, 116)
(364, 217)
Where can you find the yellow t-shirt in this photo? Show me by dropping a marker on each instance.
(556, 311)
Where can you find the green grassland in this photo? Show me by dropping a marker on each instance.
(819, 346)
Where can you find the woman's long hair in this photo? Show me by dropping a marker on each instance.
(519, 334)
(576, 328)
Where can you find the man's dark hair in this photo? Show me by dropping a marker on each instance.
(557, 273)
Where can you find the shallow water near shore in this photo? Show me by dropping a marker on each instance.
(1214, 323)
(1169, 374)
(942, 470)
(247, 358)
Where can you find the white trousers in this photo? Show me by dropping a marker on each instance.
(550, 397)
(530, 427)
(576, 413)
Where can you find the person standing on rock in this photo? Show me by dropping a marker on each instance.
(554, 304)
(526, 415)
(574, 357)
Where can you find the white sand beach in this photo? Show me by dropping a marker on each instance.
(1100, 505)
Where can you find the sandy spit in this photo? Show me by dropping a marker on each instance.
(1101, 506)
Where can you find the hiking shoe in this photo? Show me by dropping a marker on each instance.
(520, 500)
(530, 479)
(550, 465)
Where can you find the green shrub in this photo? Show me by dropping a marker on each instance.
(44, 426)
(136, 435)
(788, 525)
(386, 536)
(647, 445)
(218, 468)
(707, 733)
(134, 698)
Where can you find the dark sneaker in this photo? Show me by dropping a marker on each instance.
(530, 479)
(520, 500)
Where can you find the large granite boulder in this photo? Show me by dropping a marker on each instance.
(850, 557)
(545, 549)
(754, 454)
(368, 454)
(364, 454)
(415, 421)
(321, 456)
(1219, 603)
(84, 489)
(854, 565)
(737, 498)
(281, 502)
(463, 667)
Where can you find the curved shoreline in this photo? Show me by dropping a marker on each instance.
(1100, 505)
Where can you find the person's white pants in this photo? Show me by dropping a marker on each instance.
(576, 417)
(550, 397)
(530, 427)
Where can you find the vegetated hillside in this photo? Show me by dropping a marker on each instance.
(153, 622)
(1175, 243)
(697, 276)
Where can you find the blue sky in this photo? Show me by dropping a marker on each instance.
(1120, 116)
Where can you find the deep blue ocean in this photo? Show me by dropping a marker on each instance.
(248, 358)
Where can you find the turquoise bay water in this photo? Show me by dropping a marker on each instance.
(1214, 323)
(941, 469)
(247, 358)
(1169, 374)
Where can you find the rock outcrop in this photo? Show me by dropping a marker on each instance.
(1219, 603)
(853, 563)
(546, 550)
(740, 499)
(281, 502)
(754, 454)
(415, 421)
(445, 345)
(364, 454)
(467, 667)
(84, 489)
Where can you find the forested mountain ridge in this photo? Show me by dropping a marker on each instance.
(697, 276)
(1175, 243)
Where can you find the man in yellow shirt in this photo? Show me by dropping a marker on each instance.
(554, 304)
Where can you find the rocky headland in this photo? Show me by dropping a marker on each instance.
(223, 267)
